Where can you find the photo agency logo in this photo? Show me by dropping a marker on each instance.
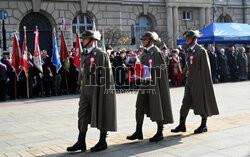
(127, 80)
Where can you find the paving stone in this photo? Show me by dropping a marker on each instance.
(46, 127)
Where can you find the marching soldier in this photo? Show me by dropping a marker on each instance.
(153, 98)
(199, 92)
(97, 105)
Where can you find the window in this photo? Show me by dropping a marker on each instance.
(143, 24)
(224, 19)
(187, 15)
(83, 23)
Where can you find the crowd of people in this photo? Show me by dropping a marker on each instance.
(226, 65)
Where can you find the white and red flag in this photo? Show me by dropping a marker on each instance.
(37, 54)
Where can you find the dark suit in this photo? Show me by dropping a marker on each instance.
(232, 62)
(3, 81)
(11, 75)
(47, 79)
(214, 65)
(223, 68)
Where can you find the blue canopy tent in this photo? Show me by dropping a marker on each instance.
(223, 33)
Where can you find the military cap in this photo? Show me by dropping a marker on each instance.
(91, 34)
(150, 35)
(192, 34)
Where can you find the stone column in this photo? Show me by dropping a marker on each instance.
(207, 16)
(202, 18)
(170, 26)
(175, 25)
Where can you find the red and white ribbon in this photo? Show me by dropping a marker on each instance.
(150, 61)
(31, 64)
(191, 58)
(92, 60)
(4, 66)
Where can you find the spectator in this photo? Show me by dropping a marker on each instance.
(223, 66)
(242, 63)
(232, 62)
(175, 68)
(213, 64)
(248, 60)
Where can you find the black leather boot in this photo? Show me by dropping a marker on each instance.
(181, 127)
(203, 127)
(137, 134)
(80, 144)
(102, 144)
(158, 136)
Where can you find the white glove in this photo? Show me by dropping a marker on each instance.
(41, 75)
(8, 79)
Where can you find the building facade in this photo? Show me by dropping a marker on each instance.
(120, 20)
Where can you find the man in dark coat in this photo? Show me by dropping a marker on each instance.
(73, 74)
(199, 92)
(153, 98)
(242, 63)
(97, 105)
(232, 62)
(10, 74)
(31, 75)
(223, 66)
(213, 64)
(120, 71)
(47, 73)
(3, 81)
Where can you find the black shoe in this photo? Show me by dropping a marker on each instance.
(179, 128)
(201, 129)
(137, 135)
(157, 137)
(77, 146)
(80, 144)
(99, 146)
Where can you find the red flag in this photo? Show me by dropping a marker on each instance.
(37, 55)
(64, 53)
(25, 56)
(77, 54)
(16, 56)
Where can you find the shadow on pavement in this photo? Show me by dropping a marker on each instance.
(128, 149)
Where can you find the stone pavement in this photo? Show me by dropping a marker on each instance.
(46, 126)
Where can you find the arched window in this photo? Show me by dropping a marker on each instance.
(224, 19)
(143, 24)
(82, 22)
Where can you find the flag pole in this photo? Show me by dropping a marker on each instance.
(54, 32)
(40, 78)
(15, 76)
(65, 71)
(27, 79)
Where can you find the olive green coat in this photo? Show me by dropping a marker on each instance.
(200, 82)
(157, 104)
(100, 78)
